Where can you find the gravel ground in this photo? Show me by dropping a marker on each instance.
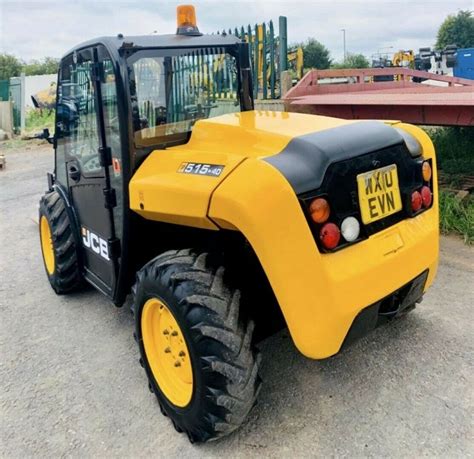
(71, 384)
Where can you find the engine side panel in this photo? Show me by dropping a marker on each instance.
(163, 190)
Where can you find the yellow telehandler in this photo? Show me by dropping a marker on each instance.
(225, 223)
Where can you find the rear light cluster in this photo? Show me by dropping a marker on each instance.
(333, 211)
(422, 198)
(329, 233)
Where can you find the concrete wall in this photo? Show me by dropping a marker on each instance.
(6, 117)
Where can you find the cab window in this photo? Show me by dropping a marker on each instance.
(76, 116)
(172, 89)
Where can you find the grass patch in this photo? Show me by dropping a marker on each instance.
(454, 149)
(36, 121)
(455, 158)
(457, 216)
(20, 144)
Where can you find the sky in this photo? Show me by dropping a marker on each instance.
(37, 28)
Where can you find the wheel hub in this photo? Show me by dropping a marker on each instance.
(167, 352)
(47, 245)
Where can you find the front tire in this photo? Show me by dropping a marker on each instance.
(195, 346)
(58, 245)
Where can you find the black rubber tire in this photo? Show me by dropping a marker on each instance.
(225, 363)
(66, 276)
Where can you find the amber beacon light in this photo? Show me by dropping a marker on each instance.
(186, 18)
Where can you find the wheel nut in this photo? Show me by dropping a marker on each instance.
(177, 364)
(166, 332)
(174, 333)
(167, 350)
(181, 354)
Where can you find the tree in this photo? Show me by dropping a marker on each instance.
(353, 61)
(315, 55)
(10, 66)
(45, 67)
(457, 30)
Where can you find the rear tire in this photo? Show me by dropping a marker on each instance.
(58, 244)
(225, 380)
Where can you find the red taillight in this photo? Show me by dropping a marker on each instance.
(416, 201)
(330, 235)
(426, 196)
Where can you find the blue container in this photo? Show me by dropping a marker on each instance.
(464, 67)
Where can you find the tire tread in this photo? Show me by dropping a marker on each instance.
(232, 370)
(67, 276)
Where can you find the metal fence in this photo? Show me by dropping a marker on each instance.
(204, 82)
(269, 54)
(4, 90)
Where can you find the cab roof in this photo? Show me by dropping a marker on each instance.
(158, 41)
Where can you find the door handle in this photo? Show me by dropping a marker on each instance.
(74, 172)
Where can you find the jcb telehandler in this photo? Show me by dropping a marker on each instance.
(224, 221)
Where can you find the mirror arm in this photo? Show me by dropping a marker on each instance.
(45, 135)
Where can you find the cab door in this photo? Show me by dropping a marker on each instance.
(82, 129)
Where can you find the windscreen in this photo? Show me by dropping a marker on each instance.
(171, 90)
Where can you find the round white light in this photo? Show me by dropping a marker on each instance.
(350, 229)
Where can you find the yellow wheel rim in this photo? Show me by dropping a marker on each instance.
(167, 352)
(47, 245)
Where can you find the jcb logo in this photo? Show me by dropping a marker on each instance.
(95, 243)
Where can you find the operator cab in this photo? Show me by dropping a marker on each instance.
(118, 99)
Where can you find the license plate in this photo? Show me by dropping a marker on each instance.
(379, 193)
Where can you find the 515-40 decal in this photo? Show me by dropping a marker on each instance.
(213, 170)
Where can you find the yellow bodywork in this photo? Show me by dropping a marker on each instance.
(158, 192)
(319, 294)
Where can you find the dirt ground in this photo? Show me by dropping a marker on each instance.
(71, 384)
